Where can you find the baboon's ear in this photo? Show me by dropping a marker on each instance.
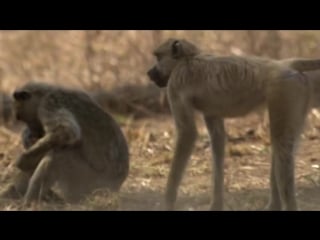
(21, 95)
(176, 48)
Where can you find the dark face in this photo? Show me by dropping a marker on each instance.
(155, 76)
(25, 106)
(168, 55)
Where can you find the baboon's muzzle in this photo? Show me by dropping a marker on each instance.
(18, 115)
(157, 77)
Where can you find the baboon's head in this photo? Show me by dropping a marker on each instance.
(168, 55)
(27, 100)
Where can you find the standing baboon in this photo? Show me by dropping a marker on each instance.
(69, 141)
(230, 86)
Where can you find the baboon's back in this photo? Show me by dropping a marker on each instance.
(103, 143)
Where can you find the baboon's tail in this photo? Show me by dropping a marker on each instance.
(303, 65)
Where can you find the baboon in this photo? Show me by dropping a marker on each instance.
(232, 86)
(137, 100)
(70, 141)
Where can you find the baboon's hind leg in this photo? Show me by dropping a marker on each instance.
(217, 137)
(18, 188)
(288, 106)
(41, 180)
(274, 199)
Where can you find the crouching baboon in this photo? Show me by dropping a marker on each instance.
(70, 141)
(232, 86)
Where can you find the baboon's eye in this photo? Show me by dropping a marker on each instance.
(21, 95)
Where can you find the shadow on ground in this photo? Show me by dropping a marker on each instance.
(246, 200)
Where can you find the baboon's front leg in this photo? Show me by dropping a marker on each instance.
(187, 134)
(217, 136)
(61, 129)
(30, 159)
(30, 137)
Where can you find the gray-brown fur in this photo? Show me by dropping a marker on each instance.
(69, 141)
(230, 86)
(137, 100)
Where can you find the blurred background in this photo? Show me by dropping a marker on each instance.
(104, 59)
(112, 65)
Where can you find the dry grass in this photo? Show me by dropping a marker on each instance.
(151, 142)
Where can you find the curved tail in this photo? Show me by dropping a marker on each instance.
(303, 65)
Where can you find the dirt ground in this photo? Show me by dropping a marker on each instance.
(151, 144)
